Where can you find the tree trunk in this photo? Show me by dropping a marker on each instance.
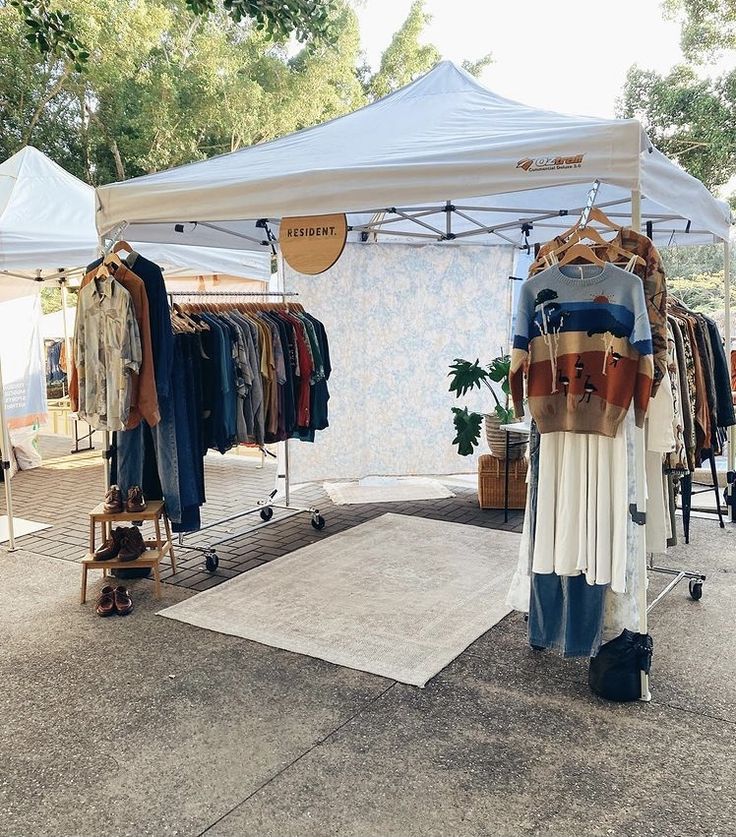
(51, 94)
(114, 150)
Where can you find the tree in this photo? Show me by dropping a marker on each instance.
(707, 26)
(689, 118)
(53, 32)
(405, 57)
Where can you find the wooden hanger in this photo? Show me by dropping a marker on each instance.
(581, 251)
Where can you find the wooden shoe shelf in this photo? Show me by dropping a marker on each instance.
(155, 549)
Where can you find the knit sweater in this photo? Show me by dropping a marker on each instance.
(584, 340)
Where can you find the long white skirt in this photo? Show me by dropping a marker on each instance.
(582, 507)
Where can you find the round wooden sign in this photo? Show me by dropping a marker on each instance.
(313, 243)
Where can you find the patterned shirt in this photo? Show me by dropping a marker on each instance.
(107, 349)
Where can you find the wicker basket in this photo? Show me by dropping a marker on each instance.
(491, 482)
(496, 439)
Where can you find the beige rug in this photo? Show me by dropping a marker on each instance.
(398, 596)
(386, 490)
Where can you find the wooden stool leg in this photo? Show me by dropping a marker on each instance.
(92, 526)
(167, 527)
(84, 583)
(157, 526)
(157, 577)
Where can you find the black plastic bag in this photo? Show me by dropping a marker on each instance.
(615, 673)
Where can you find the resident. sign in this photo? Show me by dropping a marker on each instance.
(312, 244)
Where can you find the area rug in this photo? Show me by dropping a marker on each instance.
(397, 596)
(386, 490)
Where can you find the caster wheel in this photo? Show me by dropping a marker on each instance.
(267, 513)
(319, 522)
(212, 562)
(696, 589)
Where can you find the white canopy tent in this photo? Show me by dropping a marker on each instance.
(441, 160)
(47, 231)
(442, 146)
(48, 235)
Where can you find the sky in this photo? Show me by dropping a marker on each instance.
(570, 57)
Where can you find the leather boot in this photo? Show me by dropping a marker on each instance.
(111, 547)
(132, 546)
(113, 503)
(136, 500)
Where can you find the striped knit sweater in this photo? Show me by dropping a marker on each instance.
(584, 341)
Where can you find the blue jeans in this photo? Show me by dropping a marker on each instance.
(131, 454)
(566, 613)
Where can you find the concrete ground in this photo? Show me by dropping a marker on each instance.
(147, 726)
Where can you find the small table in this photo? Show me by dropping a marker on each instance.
(155, 549)
(514, 427)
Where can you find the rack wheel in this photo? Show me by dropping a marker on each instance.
(266, 513)
(318, 522)
(696, 589)
(212, 562)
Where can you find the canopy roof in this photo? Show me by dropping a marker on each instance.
(47, 225)
(461, 162)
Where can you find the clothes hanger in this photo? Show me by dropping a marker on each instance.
(581, 251)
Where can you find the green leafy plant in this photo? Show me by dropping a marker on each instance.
(466, 376)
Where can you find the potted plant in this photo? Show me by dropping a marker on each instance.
(466, 376)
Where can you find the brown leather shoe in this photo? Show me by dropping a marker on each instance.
(105, 604)
(123, 602)
(132, 546)
(111, 547)
(113, 503)
(136, 500)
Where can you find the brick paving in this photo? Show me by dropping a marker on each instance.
(63, 491)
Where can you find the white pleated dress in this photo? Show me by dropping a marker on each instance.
(582, 507)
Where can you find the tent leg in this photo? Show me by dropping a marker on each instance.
(641, 552)
(727, 336)
(7, 452)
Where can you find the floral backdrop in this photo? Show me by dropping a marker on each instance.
(396, 316)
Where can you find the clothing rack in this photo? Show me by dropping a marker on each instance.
(266, 506)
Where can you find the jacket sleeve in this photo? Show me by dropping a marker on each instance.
(641, 340)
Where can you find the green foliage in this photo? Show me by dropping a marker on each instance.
(465, 377)
(51, 31)
(475, 68)
(689, 118)
(184, 87)
(405, 57)
(280, 20)
(707, 26)
(467, 430)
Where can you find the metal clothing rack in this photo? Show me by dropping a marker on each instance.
(266, 506)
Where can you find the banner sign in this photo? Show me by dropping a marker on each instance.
(313, 243)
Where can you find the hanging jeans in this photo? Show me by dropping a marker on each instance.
(190, 490)
(131, 447)
(566, 613)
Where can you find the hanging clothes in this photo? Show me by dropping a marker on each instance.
(107, 355)
(582, 541)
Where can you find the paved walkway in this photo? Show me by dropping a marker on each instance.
(67, 487)
(147, 726)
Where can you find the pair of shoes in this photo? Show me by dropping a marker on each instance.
(113, 503)
(113, 600)
(125, 544)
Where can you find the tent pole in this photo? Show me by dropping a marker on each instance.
(727, 336)
(641, 552)
(7, 453)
